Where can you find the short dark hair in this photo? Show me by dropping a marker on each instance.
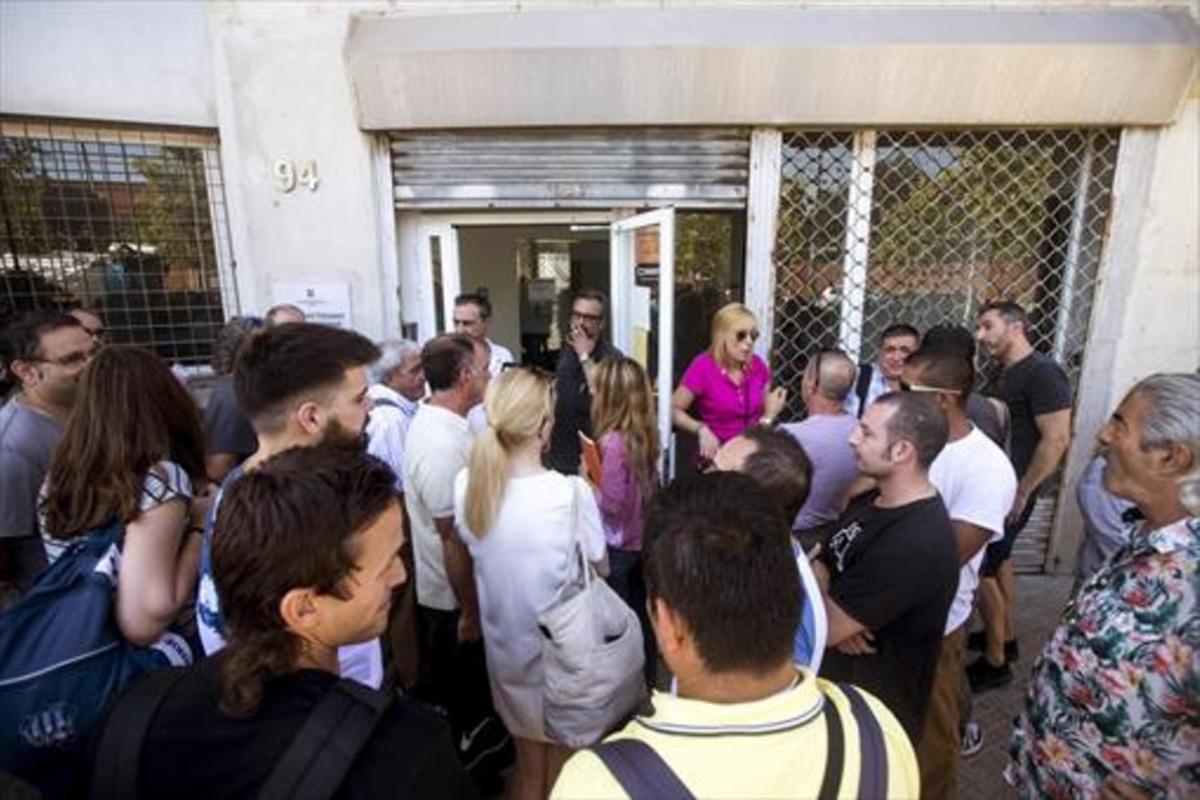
(281, 364)
(589, 293)
(230, 340)
(1009, 309)
(918, 419)
(444, 357)
(947, 338)
(288, 524)
(897, 329)
(781, 467)
(944, 369)
(479, 300)
(717, 551)
(23, 335)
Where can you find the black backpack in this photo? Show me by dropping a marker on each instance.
(310, 768)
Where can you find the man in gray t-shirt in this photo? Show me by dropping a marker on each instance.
(825, 435)
(45, 353)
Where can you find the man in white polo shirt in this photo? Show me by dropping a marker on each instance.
(977, 484)
(436, 449)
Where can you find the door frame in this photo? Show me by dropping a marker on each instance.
(622, 283)
(417, 299)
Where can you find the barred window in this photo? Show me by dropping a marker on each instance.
(131, 223)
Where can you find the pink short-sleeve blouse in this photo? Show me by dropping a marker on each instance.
(725, 407)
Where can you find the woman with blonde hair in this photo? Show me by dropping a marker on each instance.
(523, 525)
(727, 388)
(627, 436)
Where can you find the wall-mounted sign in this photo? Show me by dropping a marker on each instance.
(646, 275)
(326, 302)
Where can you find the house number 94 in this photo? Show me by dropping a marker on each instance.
(288, 176)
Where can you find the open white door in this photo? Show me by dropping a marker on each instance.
(438, 276)
(643, 308)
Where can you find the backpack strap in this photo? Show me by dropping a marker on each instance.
(872, 750)
(641, 772)
(862, 387)
(316, 762)
(117, 772)
(835, 758)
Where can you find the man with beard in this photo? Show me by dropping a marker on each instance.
(44, 352)
(300, 384)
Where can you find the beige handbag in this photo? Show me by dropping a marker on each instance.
(592, 657)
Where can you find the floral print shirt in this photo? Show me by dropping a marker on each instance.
(1116, 691)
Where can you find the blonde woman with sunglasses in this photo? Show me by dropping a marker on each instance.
(727, 388)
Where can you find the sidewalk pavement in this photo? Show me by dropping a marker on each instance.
(1040, 601)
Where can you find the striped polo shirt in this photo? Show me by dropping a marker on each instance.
(774, 747)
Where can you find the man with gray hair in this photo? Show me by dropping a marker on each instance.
(826, 383)
(397, 386)
(1111, 705)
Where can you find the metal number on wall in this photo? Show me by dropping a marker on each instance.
(287, 177)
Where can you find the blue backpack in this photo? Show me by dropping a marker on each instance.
(63, 659)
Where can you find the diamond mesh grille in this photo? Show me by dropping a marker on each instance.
(924, 227)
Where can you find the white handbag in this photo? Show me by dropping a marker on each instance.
(592, 658)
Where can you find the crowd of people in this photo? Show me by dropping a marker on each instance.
(423, 570)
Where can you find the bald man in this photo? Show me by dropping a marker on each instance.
(827, 381)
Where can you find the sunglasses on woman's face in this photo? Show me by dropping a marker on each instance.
(742, 336)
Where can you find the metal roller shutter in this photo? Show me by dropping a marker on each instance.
(558, 168)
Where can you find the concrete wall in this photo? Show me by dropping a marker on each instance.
(282, 94)
(115, 61)
(1147, 313)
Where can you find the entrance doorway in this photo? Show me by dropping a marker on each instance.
(530, 264)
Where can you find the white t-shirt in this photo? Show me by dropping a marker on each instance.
(435, 450)
(500, 355)
(387, 427)
(521, 566)
(977, 484)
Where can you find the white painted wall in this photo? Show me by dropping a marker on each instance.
(1147, 313)
(116, 61)
(282, 94)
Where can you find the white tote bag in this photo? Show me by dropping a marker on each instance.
(592, 657)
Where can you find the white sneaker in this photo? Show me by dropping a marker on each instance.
(972, 739)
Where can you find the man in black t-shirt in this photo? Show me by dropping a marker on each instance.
(889, 568)
(1038, 395)
(307, 561)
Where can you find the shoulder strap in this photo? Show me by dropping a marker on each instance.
(641, 772)
(862, 386)
(316, 762)
(873, 760)
(117, 771)
(836, 758)
(386, 402)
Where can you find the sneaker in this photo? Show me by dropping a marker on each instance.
(983, 676)
(977, 642)
(972, 739)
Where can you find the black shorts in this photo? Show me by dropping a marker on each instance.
(999, 552)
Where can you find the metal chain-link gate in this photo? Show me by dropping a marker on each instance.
(924, 227)
(130, 223)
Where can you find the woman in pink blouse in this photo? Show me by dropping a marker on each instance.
(627, 434)
(727, 388)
